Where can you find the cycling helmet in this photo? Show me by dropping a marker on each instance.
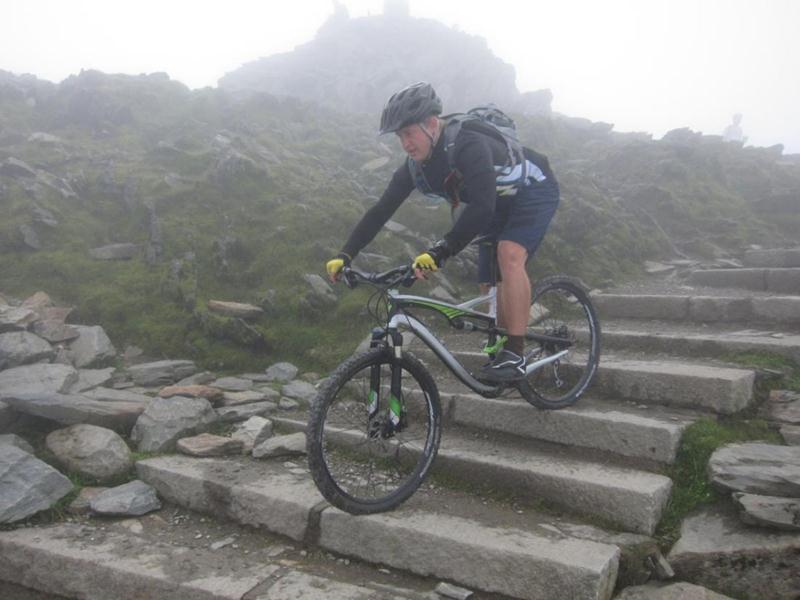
(412, 104)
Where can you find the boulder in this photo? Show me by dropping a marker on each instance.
(242, 412)
(235, 309)
(38, 302)
(207, 444)
(23, 347)
(769, 511)
(248, 397)
(15, 318)
(717, 551)
(213, 394)
(114, 252)
(91, 451)
(27, 485)
(283, 445)
(55, 331)
(10, 439)
(71, 409)
(203, 378)
(104, 394)
(791, 434)
(166, 420)
(14, 167)
(91, 378)
(81, 504)
(321, 292)
(162, 372)
(282, 372)
(252, 432)
(37, 378)
(299, 390)
(782, 406)
(134, 499)
(29, 237)
(91, 348)
(233, 384)
(757, 468)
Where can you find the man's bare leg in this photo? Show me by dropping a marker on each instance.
(514, 295)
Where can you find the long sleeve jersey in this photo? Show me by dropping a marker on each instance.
(478, 158)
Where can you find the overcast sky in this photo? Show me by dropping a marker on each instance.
(644, 65)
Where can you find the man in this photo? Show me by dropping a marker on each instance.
(516, 212)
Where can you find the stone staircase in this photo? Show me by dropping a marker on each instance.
(586, 483)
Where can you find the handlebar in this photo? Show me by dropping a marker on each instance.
(402, 275)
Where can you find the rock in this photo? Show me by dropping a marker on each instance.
(791, 434)
(14, 318)
(282, 372)
(206, 444)
(769, 511)
(449, 590)
(91, 451)
(782, 406)
(27, 485)
(212, 394)
(252, 432)
(29, 237)
(248, 397)
(757, 468)
(283, 445)
(288, 404)
(103, 394)
(10, 439)
(91, 378)
(242, 412)
(80, 506)
(131, 499)
(44, 138)
(717, 551)
(38, 378)
(255, 377)
(7, 415)
(673, 591)
(166, 420)
(13, 167)
(162, 372)
(235, 309)
(203, 378)
(321, 292)
(55, 331)
(233, 384)
(71, 409)
(114, 252)
(38, 302)
(440, 293)
(91, 348)
(22, 347)
(375, 163)
(299, 390)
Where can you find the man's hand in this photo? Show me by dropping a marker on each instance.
(335, 265)
(432, 259)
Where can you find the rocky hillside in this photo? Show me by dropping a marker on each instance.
(391, 51)
(139, 201)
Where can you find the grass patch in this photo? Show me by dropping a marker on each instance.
(691, 486)
(790, 370)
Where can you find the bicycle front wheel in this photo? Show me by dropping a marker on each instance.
(367, 451)
(563, 318)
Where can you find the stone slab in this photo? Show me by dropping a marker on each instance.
(586, 424)
(32, 379)
(717, 551)
(769, 511)
(71, 409)
(757, 468)
(624, 306)
(749, 279)
(777, 258)
(517, 563)
(258, 494)
(783, 281)
(27, 485)
(296, 585)
(84, 562)
(672, 591)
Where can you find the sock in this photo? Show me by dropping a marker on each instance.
(515, 344)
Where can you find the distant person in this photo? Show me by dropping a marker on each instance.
(733, 132)
(515, 211)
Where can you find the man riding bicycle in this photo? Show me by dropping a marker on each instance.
(515, 212)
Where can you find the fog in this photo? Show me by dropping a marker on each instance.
(644, 66)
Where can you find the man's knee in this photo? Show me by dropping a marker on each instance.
(511, 256)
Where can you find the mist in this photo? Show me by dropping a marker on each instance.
(650, 67)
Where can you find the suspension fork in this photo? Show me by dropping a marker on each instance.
(395, 409)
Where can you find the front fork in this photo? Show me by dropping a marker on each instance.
(393, 420)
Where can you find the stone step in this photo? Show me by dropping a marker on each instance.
(683, 340)
(778, 258)
(707, 388)
(779, 310)
(779, 281)
(87, 561)
(621, 428)
(625, 498)
(539, 562)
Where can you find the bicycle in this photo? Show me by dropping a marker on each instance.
(374, 427)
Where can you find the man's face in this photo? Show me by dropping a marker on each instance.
(415, 141)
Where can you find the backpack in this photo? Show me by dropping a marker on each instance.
(488, 120)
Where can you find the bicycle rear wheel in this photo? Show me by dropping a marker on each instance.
(363, 460)
(561, 311)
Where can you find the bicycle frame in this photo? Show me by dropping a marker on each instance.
(400, 321)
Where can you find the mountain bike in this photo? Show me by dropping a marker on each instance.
(375, 425)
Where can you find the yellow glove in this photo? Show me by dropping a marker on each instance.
(335, 265)
(426, 262)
